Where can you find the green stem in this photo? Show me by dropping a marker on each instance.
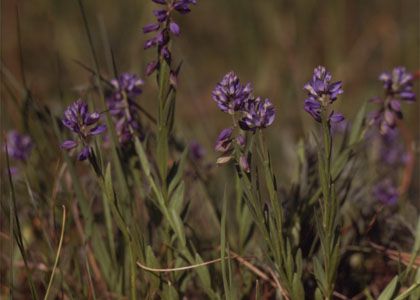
(328, 210)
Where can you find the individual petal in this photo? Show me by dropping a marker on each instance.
(68, 144)
(84, 154)
(223, 141)
(395, 105)
(92, 118)
(408, 96)
(389, 117)
(151, 27)
(150, 43)
(241, 140)
(166, 54)
(174, 27)
(336, 117)
(161, 15)
(151, 67)
(244, 164)
(97, 130)
(224, 159)
(182, 8)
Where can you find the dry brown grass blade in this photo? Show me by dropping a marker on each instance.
(395, 255)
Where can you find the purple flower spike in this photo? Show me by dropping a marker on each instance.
(230, 95)
(19, 146)
(167, 26)
(122, 106)
(83, 124)
(321, 94)
(258, 114)
(398, 86)
(386, 192)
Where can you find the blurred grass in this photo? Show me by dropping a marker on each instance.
(275, 44)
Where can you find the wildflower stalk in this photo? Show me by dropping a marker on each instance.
(329, 237)
(124, 190)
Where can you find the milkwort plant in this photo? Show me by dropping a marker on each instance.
(119, 212)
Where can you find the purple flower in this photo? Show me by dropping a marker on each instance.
(398, 86)
(244, 163)
(83, 124)
(19, 146)
(321, 94)
(386, 192)
(230, 95)
(122, 106)
(126, 85)
(392, 152)
(163, 26)
(197, 152)
(224, 140)
(258, 113)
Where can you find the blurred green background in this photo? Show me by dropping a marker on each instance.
(274, 44)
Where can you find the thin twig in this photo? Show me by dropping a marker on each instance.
(278, 285)
(60, 244)
(167, 270)
(340, 296)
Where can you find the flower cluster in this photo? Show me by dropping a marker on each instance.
(226, 144)
(258, 113)
(321, 94)
(236, 99)
(164, 26)
(392, 152)
(230, 95)
(386, 192)
(392, 156)
(19, 146)
(122, 106)
(83, 124)
(233, 97)
(398, 86)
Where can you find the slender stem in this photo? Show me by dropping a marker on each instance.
(330, 241)
(63, 226)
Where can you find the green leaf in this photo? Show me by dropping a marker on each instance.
(109, 192)
(223, 243)
(178, 227)
(177, 199)
(318, 294)
(297, 287)
(152, 262)
(356, 130)
(180, 171)
(319, 274)
(204, 276)
(298, 262)
(390, 290)
(169, 292)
